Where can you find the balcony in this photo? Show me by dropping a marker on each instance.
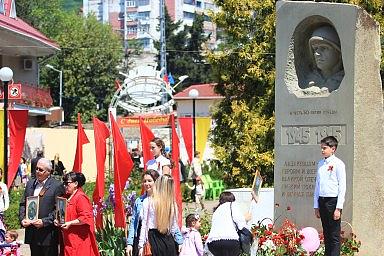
(34, 96)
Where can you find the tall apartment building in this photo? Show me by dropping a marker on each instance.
(139, 19)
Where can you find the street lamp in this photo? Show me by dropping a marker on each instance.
(61, 89)
(181, 79)
(194, 94)
(6, 75)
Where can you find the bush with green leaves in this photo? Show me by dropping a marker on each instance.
(110, 240)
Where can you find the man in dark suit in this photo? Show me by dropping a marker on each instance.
(41, 234)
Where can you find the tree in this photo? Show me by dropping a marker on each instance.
(244, 71)
(89, 57)
(185, 50)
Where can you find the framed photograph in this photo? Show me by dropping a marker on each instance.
(256, 186)
(61, 209)
(32, 209)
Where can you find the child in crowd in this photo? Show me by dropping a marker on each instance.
(200, 193)
(193, 245)
(10, 247)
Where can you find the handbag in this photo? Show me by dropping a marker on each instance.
(245, 237)
(147, 246)
(147, 249)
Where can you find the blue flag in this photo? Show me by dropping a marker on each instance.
(170, 78)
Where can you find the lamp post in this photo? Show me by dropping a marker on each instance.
(6, 75)
(60, 90)
(194, 94)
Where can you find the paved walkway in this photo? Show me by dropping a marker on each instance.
(187, 208)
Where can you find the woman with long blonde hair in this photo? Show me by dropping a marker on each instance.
(159, 215)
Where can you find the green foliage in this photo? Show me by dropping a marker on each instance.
(244, 70)
(89, 57)
(110, 239)
(11, 215)
(185, 51)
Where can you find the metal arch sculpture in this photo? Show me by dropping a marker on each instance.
(144, 91)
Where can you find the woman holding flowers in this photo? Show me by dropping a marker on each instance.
(149, 178)
(159, 215)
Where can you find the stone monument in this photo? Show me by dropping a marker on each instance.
(328, 83)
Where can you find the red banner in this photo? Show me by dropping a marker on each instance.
(146, 137)
(133, 121)
(101, 134)
(186, 126)
(176, 171)
(81, 140)
(122, 166)
(18, 121)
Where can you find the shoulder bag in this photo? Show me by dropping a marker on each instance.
(245, 236)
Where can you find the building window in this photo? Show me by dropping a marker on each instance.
(131, 30)
(2, 6)
(188, 15)
(143, 15)
(142, 2)
(131, 15)
(131, 3)
(198, 4)
(146, 42)
(121, 15)
(144, 28)
(192, 2)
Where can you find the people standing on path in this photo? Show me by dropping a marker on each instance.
(194, 172)
(159, 215)
(149, 178)
(57, 167)
(41, 234)
(223, 239)
(329, 194)
(78, 231)
(199, 193)
(159, 163)
(39, 154)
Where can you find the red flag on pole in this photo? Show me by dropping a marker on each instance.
(175, 169)
(146, 137)
(81, 140)
(186, 126)
(101, 134)
(123, 165)
(18, 121)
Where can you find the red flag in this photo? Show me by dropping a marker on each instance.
(81, 140)
(123, 165)
(175, 169)
(146, 137)
(18, 121)
(186, 125)
(165, 78)
(101, 134)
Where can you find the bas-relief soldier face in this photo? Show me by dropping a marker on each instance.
(326, 57)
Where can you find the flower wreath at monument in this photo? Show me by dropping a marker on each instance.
(289, 240)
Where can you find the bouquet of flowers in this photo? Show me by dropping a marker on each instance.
(284, 241)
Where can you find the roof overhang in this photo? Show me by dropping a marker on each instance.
(17, 38)
(33, 111)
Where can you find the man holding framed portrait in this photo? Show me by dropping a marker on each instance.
(37, 211)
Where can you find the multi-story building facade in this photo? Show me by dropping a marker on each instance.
(139, 19)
